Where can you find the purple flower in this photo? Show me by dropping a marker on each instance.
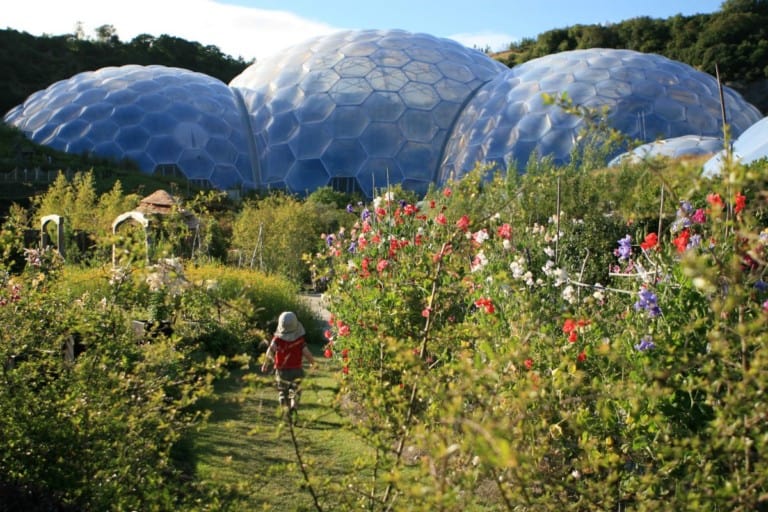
(350, 208)
(646, 343)
(761, 285)
(694, 241)
(329, 240)
(625, 248)
(352, 247)
(685, 208)
(365, 214)
(647, 301)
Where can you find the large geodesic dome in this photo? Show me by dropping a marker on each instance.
(648, 97)
(359, 109)
(167, 120)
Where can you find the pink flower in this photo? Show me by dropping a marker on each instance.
(528, 363)
(505, 231)
(699, 216)
(426, 312)
(447, 192)
(382, 265)
(463, 223)
(344, 330)
(440, 219)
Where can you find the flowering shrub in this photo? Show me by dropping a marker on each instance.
(472, 336)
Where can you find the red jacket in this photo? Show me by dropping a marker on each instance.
(288, 354)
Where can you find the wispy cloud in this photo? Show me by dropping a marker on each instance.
(238, 31)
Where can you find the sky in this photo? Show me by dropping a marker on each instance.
(256, 29)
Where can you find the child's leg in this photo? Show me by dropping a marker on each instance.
(283, 391)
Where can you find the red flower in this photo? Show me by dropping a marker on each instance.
(425, 312)
(505, 231)
(345, 353)
(651, 242)
(569, 325)
(487, 304)
(740, 202)
(573, 336)
(328, 335)
(715, 200)
(344, 330)
(382, 265)
(328, 353)
(528, 363)
(582, 356)
(345, 370)
(447, 192)
(681, 240)
(432, 203)
(410, 209)
(440, 219)
(463, 223)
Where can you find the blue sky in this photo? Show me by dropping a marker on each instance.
(259, 28)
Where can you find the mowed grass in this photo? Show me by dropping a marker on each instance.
(247, 444)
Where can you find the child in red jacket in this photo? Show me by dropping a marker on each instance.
(287, 350)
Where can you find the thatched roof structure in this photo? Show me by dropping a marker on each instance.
(158, 201)
(161, 202)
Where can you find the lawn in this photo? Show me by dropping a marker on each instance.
(247, 444)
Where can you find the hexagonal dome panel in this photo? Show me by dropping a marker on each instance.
(648, 97)
(154, 115)
(397, 92)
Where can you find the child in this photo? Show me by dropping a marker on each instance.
(287, 350)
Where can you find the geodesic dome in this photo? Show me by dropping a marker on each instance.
(359, 109)
(748, 147)
(648, 97)
(167, 120)
(676, 147)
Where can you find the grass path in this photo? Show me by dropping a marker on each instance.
(247, 446)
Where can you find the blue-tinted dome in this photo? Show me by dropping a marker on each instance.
(748, 147)
(676, 147)
(165, 119)
(648, 97)
(359, 109)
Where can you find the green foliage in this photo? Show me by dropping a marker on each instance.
(271, 234)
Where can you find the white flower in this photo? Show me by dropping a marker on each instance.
(478, 262)
(550, 252)
(569, 294)
(480, 236)
(518, 268)
(507, 245)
